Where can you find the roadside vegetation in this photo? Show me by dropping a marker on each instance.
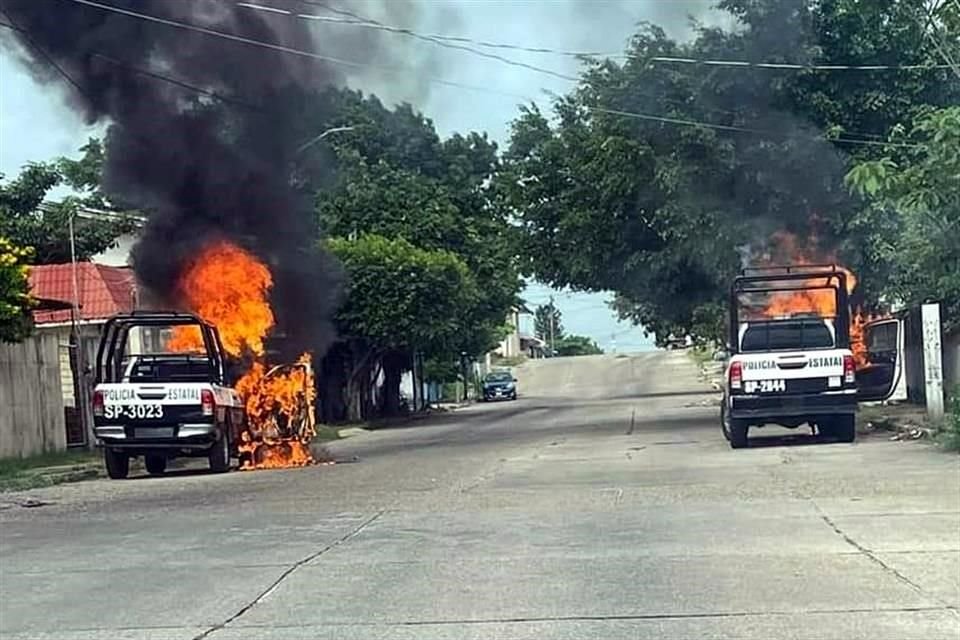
(48, 469)
(949, 436)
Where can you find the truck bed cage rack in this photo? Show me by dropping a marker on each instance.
(791, 269)
(792, 279)
(115, 331)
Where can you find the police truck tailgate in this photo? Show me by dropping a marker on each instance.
(793, 372)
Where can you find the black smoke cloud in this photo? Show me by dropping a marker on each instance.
(203, 164)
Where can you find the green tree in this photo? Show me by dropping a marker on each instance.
(547, 322)
(29, 221)
(919, 185)
(577, 346)
(619, 191)
(400, 298)
(15, 322)
(396, 178)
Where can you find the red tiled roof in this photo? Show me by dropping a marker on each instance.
(104, 291)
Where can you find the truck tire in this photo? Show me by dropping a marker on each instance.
(117, 463)
(735, 431)
(219, 456)
(155, 463)
(844, 427)
(738, 434)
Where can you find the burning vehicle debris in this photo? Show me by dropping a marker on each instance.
(280, 407)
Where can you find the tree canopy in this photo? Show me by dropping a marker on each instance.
(28, 220)
(403, 208)
(402, 297)
(397, 179)
(15, 322)
(659, 180)
(920, 187)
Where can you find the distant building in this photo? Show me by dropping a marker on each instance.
(521, 341)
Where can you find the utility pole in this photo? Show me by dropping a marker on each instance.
(79, 360)
(553, 322)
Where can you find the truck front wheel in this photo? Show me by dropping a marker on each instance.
(117, 463)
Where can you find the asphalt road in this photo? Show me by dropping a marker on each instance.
(602, 504)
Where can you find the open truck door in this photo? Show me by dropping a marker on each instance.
(884, 342)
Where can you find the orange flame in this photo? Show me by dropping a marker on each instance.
(280, 409)
(820, 302)
(227, 287)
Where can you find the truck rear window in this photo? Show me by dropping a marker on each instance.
(786, 335)
(170, 369)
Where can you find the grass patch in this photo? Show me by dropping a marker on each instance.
(949, 433)
(47, 469)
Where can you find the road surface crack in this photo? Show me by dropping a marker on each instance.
(705, 615)
(288, 572)
(870, 555)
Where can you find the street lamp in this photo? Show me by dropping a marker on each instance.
(320, 137)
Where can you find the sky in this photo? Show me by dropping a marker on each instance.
(36, 124)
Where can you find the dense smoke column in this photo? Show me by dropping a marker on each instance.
(202, 164)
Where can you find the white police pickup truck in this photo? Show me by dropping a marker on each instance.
(161, 405)
(798, 370)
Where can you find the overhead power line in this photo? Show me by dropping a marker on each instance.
(43, 53)
(357, 20)
(276, 47)
(321, 57)
(445, 40)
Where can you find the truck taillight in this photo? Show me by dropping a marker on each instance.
(98, 403)
(849, 370)
(207, 402)
(736, 375)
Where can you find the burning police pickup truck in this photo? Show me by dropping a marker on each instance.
(792, 363)
(166, 389)
(161, 404)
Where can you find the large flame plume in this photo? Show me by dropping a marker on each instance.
(227, 286)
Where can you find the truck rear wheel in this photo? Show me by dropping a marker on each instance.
(843, 427)
(219, 456)
(738, 433)
(117, 463)
(735, 431)
(155, 463)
